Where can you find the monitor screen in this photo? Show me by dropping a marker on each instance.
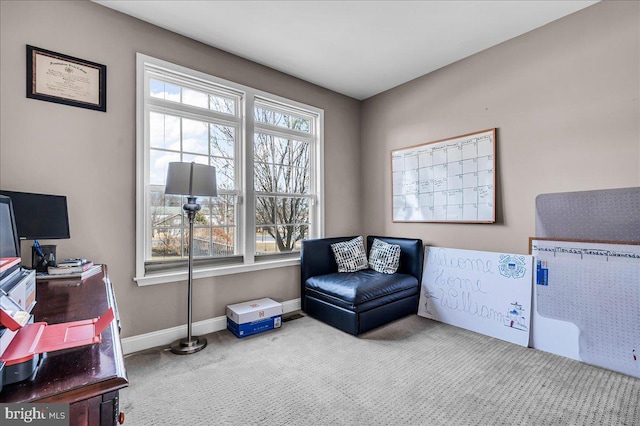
(39, 216)
(9, 243)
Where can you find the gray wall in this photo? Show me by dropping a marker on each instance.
(89, 156)
(564, 100)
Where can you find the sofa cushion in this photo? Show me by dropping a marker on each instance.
(362, 290)
(350, 255)
(384, 257)
(412, 256)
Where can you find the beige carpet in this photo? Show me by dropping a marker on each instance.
(412, 372)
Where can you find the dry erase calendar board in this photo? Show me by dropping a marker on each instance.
(451, 180)
(587, 302)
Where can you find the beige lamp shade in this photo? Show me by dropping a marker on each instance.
(191, 179)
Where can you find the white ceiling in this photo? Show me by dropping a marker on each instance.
(358, 48)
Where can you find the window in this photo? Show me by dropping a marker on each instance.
(281, 161)
(267, 152)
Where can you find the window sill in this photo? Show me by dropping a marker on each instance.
(170, 277)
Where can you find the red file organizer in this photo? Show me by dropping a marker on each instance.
(37, 338)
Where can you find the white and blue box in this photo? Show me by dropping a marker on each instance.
(248, 318)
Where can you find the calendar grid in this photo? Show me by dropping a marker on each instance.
(449, 180)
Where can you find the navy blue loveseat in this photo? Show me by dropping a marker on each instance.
(356, 302)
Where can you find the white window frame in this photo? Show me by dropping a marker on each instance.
(245, 226)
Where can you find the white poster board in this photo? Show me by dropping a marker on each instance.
(451, 180)
(587, 302)
(485, 292)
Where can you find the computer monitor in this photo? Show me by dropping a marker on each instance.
(9, 242)
(39, 216)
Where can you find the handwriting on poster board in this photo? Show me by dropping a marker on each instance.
(485, 292)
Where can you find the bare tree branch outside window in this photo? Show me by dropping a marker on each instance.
(282, 145)
(281, 170)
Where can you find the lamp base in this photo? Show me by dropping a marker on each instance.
(186, 346)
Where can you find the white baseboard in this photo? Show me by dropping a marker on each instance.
(168, 335)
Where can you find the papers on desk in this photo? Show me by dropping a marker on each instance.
(8, 262)
(92, 270)
(69, 269)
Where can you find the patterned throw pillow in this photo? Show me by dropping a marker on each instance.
(350, 255)
(384, 257)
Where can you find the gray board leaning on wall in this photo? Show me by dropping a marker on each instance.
(605, 215)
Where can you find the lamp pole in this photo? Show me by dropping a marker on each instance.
(192, 343)
(191, 180)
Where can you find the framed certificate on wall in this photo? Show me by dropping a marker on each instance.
(63, 79)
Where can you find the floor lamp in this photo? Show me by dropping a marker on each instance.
(192, 180)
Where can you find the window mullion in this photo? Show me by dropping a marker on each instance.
(283, 132)
(282, 194)
(192, 112)
(209, 216)
(143, 183)
(249, 185)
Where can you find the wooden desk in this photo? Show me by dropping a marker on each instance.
(89, 377)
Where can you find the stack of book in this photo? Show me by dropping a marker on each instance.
(8, 262)
(72, 268)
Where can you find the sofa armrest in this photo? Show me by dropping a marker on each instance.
(316, 258)
(411, 254)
